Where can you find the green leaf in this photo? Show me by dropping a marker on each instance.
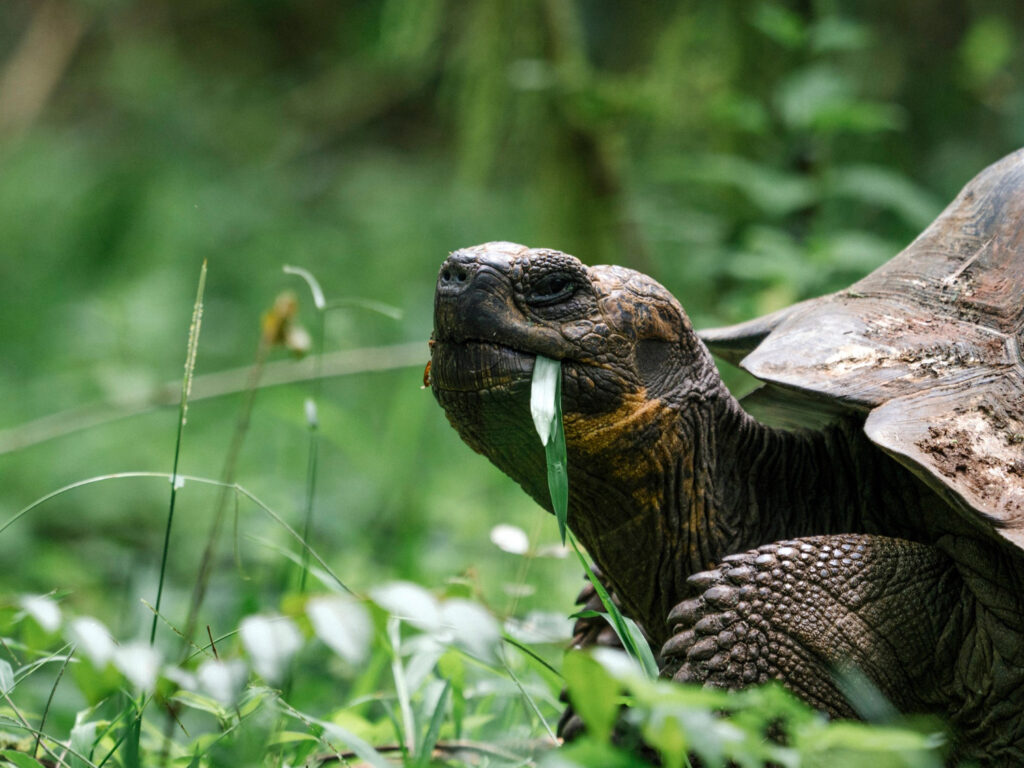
(83, 737)
(452, 667)
(270, 642)
(665, 735)
(44, 609)
(201, 703)
(593, 692)
(782, 25)
(644, 654)
(130, 750)
(405, 600)
(472, 628)
(776, 193)
(362, 749)
(881, 187)
(585, 753)
(290, 737)
(20, 759)
(986, 49)
(434, 729)
(378, 731)
(860, 737)
(6, 677)
(837, 34)
(822, 98)
(401, 684)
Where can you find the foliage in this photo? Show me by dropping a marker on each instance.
(746, 154)
(453, 685)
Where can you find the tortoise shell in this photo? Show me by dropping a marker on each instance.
(928, 347)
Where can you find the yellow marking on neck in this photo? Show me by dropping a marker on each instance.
(605, 434)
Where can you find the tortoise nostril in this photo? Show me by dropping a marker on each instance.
(457, 274)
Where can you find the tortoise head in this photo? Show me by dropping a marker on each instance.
(630, 362)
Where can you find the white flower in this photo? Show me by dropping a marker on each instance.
(93, 639)
(138, 662)
(43, 609)
(270, 641)
(222, 680)
(510, 539)
(343, 624)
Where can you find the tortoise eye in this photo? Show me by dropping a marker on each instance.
(551, 289)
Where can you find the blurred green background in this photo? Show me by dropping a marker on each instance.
(747, 154)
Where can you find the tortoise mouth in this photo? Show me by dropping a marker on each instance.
(478, 366)
(470, 376)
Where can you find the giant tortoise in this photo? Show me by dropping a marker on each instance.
(880, 529)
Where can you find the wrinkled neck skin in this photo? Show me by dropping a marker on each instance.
(715, 482)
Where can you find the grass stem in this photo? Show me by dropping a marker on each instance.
(312, 420)
(234, 487)
(186, 387)
(227, 478)
(49, 700)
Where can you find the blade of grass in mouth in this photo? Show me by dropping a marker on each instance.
(546, 409)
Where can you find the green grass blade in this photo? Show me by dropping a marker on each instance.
(426, 750)
(312, 421)
(312, 282)
(528, 698)
(49, 700)
(186, 388)
(401, 687)
(532, 654)
(546, 409)
(20, 759)
(131, 757)
(233, 487)
(362, 749)
(387, 310)
(629, 633)
(558, 476)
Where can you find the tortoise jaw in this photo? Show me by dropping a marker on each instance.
(477, 366)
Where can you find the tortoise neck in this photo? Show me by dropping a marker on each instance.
(717, 482)
(773, 484)
(650, 523)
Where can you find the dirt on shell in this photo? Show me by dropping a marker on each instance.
(980, 457)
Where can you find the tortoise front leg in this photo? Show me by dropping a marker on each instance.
(799, 611)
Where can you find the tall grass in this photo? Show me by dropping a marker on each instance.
(186, 389)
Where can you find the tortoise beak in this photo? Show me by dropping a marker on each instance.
(473, 297)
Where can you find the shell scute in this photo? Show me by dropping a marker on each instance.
(929, 346)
